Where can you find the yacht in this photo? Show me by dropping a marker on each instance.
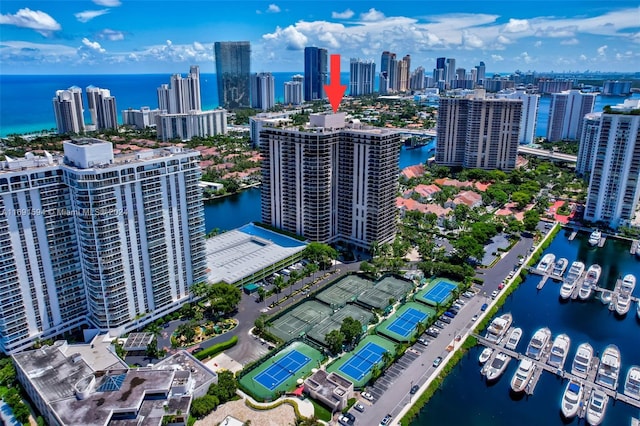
(609, 368)
(632, 383)
(566, 290)
(590, 281)
(582, 360)
(594, 238)
(597, 407)
(623, 304)
(571, 399)
(514, 338)
(538, 343)
(559, 351)
(522, 375)
(485, 355)
(497, 367)
(628, 284)
(498, 327)
(546, 262)
(575, 271)
(560, 267)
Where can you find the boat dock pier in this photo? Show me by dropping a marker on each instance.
(615, 294)
(573, 235)
(634, 247)
(588, 383)
(545, 275)
(603, 240)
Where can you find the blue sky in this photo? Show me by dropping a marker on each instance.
(160, 36)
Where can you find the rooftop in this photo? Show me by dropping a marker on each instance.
(240, 253)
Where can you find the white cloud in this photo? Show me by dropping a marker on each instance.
(33, 19)
(538, 43)
(583, 57)
(88, 15)
(372, 15)
(503, 40)
(290, 36)
(525, 57)
(570, 42)
(93, 45)
(471, 40)
(42, 54)
(112, 35)
(556, 32)
(602, 50)
(108, 3)
(273, 8)
(198, 46)
(343, 15)
(516, 26)
(497, 58)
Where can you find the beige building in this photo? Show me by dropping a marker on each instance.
(331, 389)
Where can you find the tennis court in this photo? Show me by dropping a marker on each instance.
(327, 325)
(280, 372)
(345, 290)
(363, 361)
(406, 323)
(299, 320)
(403, 324)
(358, 364)
(386, 290)
(437, 292)
(282, 369)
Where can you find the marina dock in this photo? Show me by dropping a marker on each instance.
(634, 247)
(573, 235)
(588, 383)
(603, 240)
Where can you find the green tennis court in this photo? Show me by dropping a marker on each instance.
(361, 361)
(345, 290)
(438, 292)
(389, 288)
(299, 320)
(280, 373)
(327, 325)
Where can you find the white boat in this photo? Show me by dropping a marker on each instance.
(538, 342)
(609, 368)
(582, 360)
(594, 238)
(566, 289)
(522, 375)
(498, 327)
(628, 284)
(606, 297)
(571, 399)
(597, 407)
(497, 367)
(632, 383)
(559, 351)
(592, 278)
(485, 355)
(514, 338)
(560, 267)
(575, 271)
(546, 262)
(623, 303)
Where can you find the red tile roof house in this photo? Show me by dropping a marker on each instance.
(413, 171)
(426, 191)
(469, 198)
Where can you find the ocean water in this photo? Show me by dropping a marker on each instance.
(466, 399)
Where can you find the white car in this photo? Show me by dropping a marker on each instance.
(367, 396)
(494, 294)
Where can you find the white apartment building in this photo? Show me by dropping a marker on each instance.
(566, 114)
(588, 142)
(331, 183)
(263, 91)
(102, 107)
(89, 238)
(361, 77)
(478, 132)
(194, 123)
(140, 118)
(293, 93)
(529, 118)
(69, 109)
(614, 186)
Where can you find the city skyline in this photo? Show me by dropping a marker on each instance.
(109, 36)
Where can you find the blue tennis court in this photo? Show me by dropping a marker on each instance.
(363, 361)
(406, 322)
(282, 369)
(439, 292)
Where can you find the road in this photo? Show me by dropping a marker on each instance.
(391, 390)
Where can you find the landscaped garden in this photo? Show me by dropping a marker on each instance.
(193, 332)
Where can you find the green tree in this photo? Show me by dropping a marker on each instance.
(226, 388)
(531, 219)
(335, 340)
(467, 246)
(320, 253)
(223, 298)
(521, 198)
(351, 329)
(152, 348)
(202, 406)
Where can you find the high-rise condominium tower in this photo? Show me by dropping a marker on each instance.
(529, 119)
(182, 94)
(478, 132)
(588, 142)
(331, 183)
(361, 77)
(388, 70)
(93, 239)
(449, 70)
(480, 72)
(403, 74)
(566, 114)
(614, 187)
(69, 109)
(293, 93)
(102, 107)
(262, 91)
(233, 65)
(315, 73)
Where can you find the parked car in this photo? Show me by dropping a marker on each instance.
(475, 317)
(386, 420)
(450, 314)
(430, 333)
(484, 307)
(414, 389)
(367, 396)
(423, 341)
(345, 421)
(501, 286)
(359, 407)
(437, 361)
(494, 294)
(445, 319)
(439, 324)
